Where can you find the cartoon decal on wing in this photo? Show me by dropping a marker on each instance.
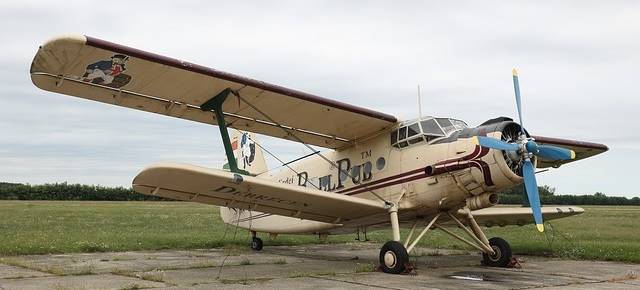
(108, 73)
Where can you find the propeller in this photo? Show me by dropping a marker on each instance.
(526, 147)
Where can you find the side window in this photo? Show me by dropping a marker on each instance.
(394, 137)
(416, 140)
(402, 133)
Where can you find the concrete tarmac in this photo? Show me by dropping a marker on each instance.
(336, 266)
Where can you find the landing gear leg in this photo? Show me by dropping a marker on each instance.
(256, 243)
(496, 252)
(393, 255)
(502, 251)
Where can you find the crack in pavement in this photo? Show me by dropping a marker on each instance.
(353, 282)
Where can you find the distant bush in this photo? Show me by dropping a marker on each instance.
(65, 191)
(517, 195)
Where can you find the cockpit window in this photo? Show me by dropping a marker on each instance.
(427, 129)
(430, 127)
(459, 124)
(446, 125)
(413, 129)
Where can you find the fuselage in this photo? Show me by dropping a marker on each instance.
(425, 166)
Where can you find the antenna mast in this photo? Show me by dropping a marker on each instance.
(419, 104)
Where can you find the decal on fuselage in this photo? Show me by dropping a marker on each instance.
(345, 171)
(247, 150)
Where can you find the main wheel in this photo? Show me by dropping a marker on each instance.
(502, 256)
(256, 244)
(393, 257)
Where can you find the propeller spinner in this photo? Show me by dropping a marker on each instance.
(526, 148)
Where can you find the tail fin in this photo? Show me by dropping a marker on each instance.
(248, 154)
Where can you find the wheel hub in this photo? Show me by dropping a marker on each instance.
(497, 254)
(390, 259)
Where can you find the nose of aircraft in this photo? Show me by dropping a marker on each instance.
(526, 148)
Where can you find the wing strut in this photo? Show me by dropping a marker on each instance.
(215, 104)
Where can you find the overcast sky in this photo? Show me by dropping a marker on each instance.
(578, 64)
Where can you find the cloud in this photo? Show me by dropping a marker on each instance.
(578, 74)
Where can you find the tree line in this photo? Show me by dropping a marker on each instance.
(65, 191)
(517, 195)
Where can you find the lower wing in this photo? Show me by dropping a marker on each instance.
(503, 216)
(223, 188)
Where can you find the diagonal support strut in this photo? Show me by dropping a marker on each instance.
(215, 104)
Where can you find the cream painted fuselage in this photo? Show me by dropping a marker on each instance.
(444, 174)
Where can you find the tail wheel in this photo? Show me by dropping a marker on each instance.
(502, 256)
(256, 244)
(393, 257)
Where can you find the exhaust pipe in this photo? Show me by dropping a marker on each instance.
(482, 201)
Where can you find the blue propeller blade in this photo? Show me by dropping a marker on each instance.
(531, 187)
(555, 153)
(516, 87)
(494, 143)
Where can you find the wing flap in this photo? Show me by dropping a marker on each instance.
(90, 68)
(217, 187)
(581, 148)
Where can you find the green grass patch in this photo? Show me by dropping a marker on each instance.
(42, 227)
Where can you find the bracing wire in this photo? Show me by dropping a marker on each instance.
(551, 234)
(235, 232)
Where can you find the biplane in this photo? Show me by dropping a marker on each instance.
(375, 172)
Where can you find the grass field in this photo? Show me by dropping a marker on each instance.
(39, 227)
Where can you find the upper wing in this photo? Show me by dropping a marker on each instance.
(582, 149)
(95, 69)
(502, 216)
(199, 184)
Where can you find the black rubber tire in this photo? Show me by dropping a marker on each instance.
(503, 254)
(256, 244)
(397, 253)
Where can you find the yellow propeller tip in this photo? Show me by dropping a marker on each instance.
(573, 154)
(475, 141)
(540, 227)
(515, 72)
